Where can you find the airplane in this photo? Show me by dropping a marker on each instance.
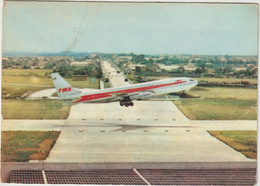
(125, 95)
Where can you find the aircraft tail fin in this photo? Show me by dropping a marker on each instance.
(63, 88)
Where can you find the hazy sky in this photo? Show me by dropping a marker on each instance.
(151, 28)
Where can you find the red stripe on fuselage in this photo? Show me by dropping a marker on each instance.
(107, 94)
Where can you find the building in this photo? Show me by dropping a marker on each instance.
(82, 63)
(155, 68)
(169, 67)
(137, 67)
(239, 68)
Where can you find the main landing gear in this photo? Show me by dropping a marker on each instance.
(126, 102)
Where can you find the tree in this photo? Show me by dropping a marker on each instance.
(26, 67)
(198, 71)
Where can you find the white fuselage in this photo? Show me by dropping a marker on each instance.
(139, 91)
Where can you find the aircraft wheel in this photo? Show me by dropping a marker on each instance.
(183, 94)
(131, 104)
(127, 104)
(121, 104)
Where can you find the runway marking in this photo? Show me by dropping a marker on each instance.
(112, 125)
(141, 177)
(44, 177)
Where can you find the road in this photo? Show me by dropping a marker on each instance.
(151, 131)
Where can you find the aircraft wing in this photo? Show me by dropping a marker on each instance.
(87, 90)
(134, 95)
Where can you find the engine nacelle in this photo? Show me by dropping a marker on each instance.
(141, 95)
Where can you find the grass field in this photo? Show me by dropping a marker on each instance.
(209, 79)
(25, 72)
(34, 109)
(225, 93)
(19, 82)
(38, 77)
(242, 141)
(220, 104)
(218, 109)
(84, 84)
(27, 76)
(227, 80)
(22, 146)
(17, 91)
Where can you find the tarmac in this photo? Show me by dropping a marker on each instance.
(57, 125)
(140, 144)
(43, 93)
(147, 111)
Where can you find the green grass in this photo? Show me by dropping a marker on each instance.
(242, 141)
(17, 82)
(39, 77)
(220, 104)
(27, 76)
(228, 80)
(209, 79)
(25, 72)
(9, 92)
(34, 109)
(84, 84)
(225, 93)
(23, 146)
(218, 109)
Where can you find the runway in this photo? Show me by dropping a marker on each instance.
(140, 144)
(57, 125)
(142, 111)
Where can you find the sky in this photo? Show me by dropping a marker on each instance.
(149, 28)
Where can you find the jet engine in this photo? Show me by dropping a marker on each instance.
(141, 95)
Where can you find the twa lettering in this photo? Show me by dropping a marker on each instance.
(68, 89)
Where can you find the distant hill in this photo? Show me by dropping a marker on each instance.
(32, 54)
(82, 54)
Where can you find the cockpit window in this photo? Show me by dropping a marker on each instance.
(191, 80)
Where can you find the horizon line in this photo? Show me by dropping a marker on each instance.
(137, 53)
